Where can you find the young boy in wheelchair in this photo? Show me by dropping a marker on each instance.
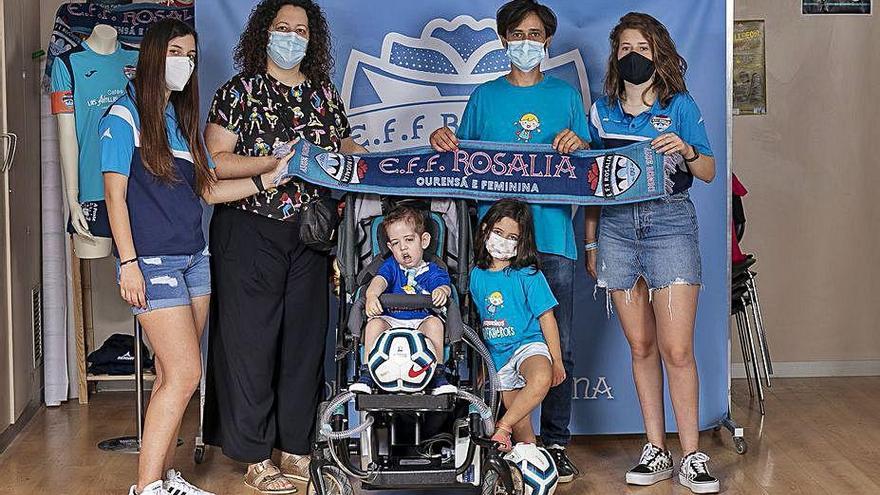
(406, 272)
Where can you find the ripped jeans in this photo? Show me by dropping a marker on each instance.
(656, 240)
(173, 280)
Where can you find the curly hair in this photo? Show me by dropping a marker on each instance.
(250, 54)
(670, 67)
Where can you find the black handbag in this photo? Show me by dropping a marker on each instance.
(318, 215)
(318, 221)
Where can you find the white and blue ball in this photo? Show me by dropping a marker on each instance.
(402, 360)
(537, 467)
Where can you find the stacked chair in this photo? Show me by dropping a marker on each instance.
(745, 307)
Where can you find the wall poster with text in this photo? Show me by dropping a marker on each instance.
(749, 68)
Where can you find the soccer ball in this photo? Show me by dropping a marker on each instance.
(402, 360)
(537, 467)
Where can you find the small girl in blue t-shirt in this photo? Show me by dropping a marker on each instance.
(516, 309)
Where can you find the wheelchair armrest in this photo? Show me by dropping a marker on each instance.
(356, 317)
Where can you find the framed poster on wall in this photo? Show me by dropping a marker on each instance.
(836, 6)
(749, 69)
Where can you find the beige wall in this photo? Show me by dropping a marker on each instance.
(813, 215)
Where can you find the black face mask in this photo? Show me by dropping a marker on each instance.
(635, 68)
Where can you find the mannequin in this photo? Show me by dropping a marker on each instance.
(84, 84)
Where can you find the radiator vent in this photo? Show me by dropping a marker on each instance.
(37, 312)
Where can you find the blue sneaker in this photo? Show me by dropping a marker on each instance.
(364, 383)
(439, 384)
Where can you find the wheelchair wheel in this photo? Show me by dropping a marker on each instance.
(492, 484)
(335, 482)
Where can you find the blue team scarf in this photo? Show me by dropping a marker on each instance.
(490, 171)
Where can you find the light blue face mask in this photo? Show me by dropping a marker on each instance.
(286, 49)
(526, 54)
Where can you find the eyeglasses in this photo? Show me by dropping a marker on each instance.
(533, 35)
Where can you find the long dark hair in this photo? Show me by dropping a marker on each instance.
(149, 85)
(526, 248)
(250, 54)
(669, 65)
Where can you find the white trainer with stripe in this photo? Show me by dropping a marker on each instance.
(176, 485)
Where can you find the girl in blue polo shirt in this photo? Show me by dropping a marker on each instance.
(155, 170)
(647, 254)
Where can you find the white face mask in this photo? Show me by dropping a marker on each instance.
(501, 248)
(178, 70)
(526, 54)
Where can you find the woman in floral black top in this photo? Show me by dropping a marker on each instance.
(270, 310)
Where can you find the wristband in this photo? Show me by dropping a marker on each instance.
(591, 246)
(258, 181)
(696, 155)
(126, 262)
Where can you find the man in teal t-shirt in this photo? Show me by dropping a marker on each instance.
(525, 106)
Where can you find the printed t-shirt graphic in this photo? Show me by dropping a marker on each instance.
(510, 303)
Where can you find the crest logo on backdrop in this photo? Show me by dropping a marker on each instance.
(416, 85)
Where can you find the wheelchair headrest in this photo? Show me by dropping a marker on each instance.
(434, 226)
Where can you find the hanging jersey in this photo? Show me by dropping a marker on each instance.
(611, 127)
(85, 83)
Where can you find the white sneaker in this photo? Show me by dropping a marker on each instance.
(176, 485)
(694, 474)
(654, 465)
(154, 488)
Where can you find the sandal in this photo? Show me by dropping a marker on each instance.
(502, 435)
(266, 478)
(295, 466)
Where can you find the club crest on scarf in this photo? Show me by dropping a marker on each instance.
(613, 175)
(346, 169)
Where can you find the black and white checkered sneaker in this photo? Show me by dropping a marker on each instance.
(654, 465)
(694, 474)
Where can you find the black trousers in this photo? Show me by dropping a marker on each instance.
(269, 311)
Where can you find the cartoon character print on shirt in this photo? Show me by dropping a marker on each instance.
(496, 302)
(256, 120)
(286, 205)
(265, 116)
(493, 326)
(528, 124)
(297, 118)
(318, 103)
(261, 148)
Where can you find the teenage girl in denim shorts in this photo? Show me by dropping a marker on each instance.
(647, 255)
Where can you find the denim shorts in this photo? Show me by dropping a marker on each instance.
(173, 280)
(509, 377)
(657, 240)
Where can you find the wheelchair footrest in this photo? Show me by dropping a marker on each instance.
(404, 402)
(413, 479)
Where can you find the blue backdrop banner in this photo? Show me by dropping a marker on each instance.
(404, 68)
